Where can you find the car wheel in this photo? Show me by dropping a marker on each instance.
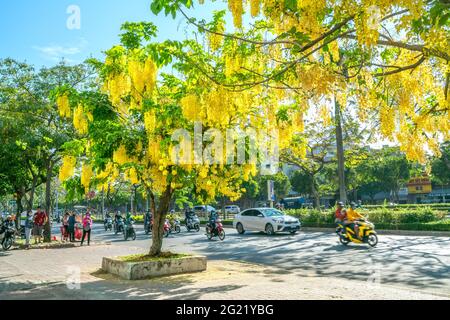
(269, 229)
(240, 228)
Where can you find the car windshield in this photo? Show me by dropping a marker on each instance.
(272, 213)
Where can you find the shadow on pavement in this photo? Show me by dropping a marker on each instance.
(112, 288)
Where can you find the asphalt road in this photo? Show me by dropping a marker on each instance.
(421, 263)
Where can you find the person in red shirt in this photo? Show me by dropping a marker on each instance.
(40, 219)
(340, 214)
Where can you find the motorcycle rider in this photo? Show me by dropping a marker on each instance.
(188, 214)
(212, 220)
(340, 213)
(7, 223)
(107, 216)
(352, 217)
(147, 218)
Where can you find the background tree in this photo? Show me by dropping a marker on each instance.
(440, 166)
(39, 129)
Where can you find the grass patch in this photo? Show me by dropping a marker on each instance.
(146, 257)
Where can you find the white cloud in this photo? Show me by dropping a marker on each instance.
(56, 52)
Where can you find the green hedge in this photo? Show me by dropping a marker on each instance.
(424, 218)
(437, 206)
(383, 215)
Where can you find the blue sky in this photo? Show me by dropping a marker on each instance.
(37, 32)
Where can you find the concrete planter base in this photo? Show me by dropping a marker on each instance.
(150, 269)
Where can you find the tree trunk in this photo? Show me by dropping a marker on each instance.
(340, 151)
(315, 194)
(48, 202)
(19, 208)
(32, 191)
(158, 222)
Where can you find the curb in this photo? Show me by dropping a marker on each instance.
(58, 246)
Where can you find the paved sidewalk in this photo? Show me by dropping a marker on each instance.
(54, 273)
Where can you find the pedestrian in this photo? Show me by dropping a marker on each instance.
(40, 219)
(28, 227)
(71, 226)
(87, 225)
(65, 223)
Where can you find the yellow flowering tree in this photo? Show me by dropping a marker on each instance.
(143, 127)
(388, 61)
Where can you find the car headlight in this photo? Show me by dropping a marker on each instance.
(278, 220)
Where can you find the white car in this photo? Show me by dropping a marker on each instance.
(232, 209)
(268, 220)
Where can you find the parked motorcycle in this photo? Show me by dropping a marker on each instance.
(193, 223)
(129, 231)
(119, 226)
(367, 233)
(7, 237)
(108, 223)
(215, 231)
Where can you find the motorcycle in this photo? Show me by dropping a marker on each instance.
(148, 226)
(367, 233)
(218, 231)
(7, 237)
(108, 223)
(129, 231)
(167, 228)
(193, 223)
(175, 227)
(119, 226)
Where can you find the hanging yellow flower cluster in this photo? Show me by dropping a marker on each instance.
(150, 121)
(86, 175)
(132, 176)
(237, 9)
(192, 109)
(106, 177)
(216, 39)
(81, 118)
(120, 155)
(63, 106)
(67, 169)
(255, 6)
(135, 77)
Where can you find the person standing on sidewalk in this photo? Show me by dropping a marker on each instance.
(40, 218)
(65, 223)
(71, 226)
(87, 226)
(28, 227)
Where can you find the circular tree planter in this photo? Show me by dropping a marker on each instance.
(142, 267)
